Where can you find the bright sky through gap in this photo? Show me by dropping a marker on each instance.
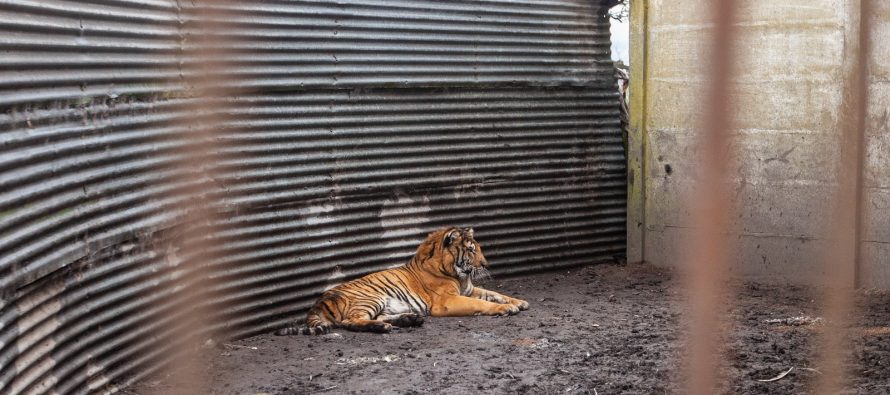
(620, 39)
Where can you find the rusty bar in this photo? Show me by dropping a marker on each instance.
(863, 76)
(709, 259)
(205, 74)
(842, 255)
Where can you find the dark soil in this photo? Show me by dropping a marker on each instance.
(598, 330)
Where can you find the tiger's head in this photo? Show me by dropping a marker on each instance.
(457, 254)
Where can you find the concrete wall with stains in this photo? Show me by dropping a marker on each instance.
(793, 60)
(876, 235)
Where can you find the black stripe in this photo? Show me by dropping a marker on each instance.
(432, 251)
(415, 304)
(419, 304)
(354, 293)
(330, 312)
(382, 290)
(339, 307)
(398, 290)
(399, 294)
(388, 281)
(380, 306)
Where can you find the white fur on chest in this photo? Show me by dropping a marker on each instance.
(395, 306)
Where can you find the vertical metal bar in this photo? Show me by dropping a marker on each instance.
(204, 57)
(708, 247)
(842, 255)
(863, 78)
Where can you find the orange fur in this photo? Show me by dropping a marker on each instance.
(438, 281)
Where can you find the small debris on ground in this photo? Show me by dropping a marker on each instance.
(239, 346)
(779, 377)
(795, 321)
(367, 360)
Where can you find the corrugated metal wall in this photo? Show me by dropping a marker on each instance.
(359, 126)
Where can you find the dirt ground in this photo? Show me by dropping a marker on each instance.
(598, 330)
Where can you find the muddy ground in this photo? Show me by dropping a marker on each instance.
(598, 330)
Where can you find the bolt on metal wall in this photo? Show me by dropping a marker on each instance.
(350, 130)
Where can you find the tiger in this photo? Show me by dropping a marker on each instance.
(437, 282)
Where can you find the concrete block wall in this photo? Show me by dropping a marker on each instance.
(794, 61)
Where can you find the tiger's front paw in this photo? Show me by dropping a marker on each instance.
(506, 309)
(521, 304)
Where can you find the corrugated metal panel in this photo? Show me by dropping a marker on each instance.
(85, 49)
(415, 43)
(495, 114)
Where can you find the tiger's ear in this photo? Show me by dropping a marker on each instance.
(450, 237)
(469, 231)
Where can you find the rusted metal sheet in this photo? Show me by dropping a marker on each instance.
(498, 115)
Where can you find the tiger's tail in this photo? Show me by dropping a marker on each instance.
(316, 324)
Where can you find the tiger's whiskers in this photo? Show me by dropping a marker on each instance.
(480, 274)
